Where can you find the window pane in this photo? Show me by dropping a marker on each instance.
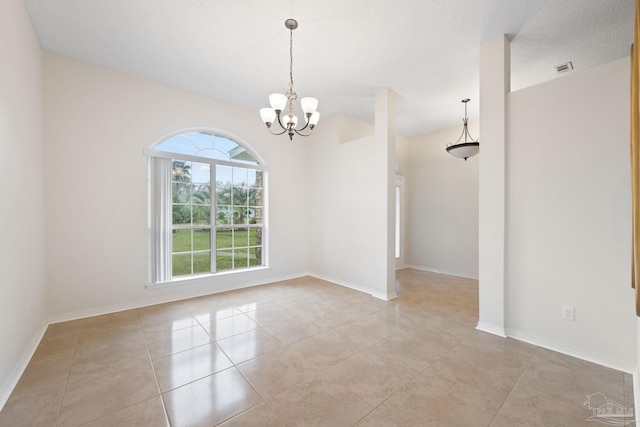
(209, 146)
(223, 215)
(257, 216)
(254, 256)
(181, 241)
(240, 215)
(200, 139)
(254, 178)
(255, 236)
(255, 197)
(223, 174)
(225, 144)
(240, 195)
(202, 262)
(240, 258)
(240, 237)
(181, 171)
(201, 215)
(212, 154)
(177, 144)
(181, 214)
(201, 194)
(200, 173)
(181, 264)
(224, 238)
(201, 240)
(240, 177)
(181, 192)
(224, 260)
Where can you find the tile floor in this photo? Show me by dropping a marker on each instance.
(305, 353)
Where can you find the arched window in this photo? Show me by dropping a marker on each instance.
(207, 206)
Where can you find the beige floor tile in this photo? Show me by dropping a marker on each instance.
(166, 318)
(111, 345)
(97, 389)
(120, 321)
(213, 313)
(416, 352)
(290, 331)
(42, 377)
(230, 326)
(277, 371)
(376, 419)
(432, 402)
(564, 377)
(56, 344)
(149, 413)
(181, 368)
(39, 411)
(249, 345)
(211, 400)
(319, 402)
(271, 314)
(258, 416)
(370, 377)
(164, 343)
(529, 407)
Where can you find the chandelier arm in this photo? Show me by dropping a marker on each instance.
(299, 132)
(303, 128)
(275, 133)
(280, 123)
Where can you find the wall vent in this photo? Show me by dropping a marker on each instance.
(563, 68)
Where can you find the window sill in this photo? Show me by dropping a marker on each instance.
(204, 278)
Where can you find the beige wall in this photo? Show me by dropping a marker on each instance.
(568, 215)
(97, 124)
(442, 205)
(22, 302)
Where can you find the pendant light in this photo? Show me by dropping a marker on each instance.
(467, 148)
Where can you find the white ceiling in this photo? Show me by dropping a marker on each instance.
(344, 50)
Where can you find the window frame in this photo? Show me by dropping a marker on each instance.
(160, 205)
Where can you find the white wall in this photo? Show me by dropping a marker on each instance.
(97, 123)
(568, 215)
(347, 206)
(442, 205)
(22, 302)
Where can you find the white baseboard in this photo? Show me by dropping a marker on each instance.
(7, 387)
(438, 271)
(353, 286)
(491, 329)
(340, 282)
(569, 350)
(98, 311)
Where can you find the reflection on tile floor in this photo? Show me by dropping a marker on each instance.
(305, 353)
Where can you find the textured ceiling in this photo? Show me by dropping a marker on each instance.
(344, 50)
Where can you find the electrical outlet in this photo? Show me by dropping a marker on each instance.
(567, 312)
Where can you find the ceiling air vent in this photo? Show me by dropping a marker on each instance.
(563, 68)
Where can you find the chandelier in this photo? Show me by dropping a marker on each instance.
(470, 147)
(288, 122)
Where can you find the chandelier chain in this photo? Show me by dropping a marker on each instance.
(291, 60)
